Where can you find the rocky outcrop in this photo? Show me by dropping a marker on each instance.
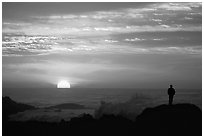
(178, 119)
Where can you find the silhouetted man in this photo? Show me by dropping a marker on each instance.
(171, 93)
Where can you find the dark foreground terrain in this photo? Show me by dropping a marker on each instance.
(165, 120)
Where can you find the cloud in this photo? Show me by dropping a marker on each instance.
(145, 44)
(175, 6)
(91, 31)
(188, 18)
(102, 20)
(134, 39)
(157, 20)
(174, 50)
(158, 39)
(27, 44)
(94, 31)
(111, 41)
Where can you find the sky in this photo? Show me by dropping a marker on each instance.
(102, 45)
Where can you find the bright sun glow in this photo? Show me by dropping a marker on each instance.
(63, 84)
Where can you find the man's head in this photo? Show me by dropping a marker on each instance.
(171, 86)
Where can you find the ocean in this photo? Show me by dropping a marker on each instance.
(131, 101)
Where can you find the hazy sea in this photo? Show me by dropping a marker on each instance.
(130, 100)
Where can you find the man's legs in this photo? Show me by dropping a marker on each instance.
(170, 99)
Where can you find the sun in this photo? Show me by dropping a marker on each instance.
(63, 84)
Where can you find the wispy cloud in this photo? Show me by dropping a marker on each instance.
(134, 39)
(48, 34)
